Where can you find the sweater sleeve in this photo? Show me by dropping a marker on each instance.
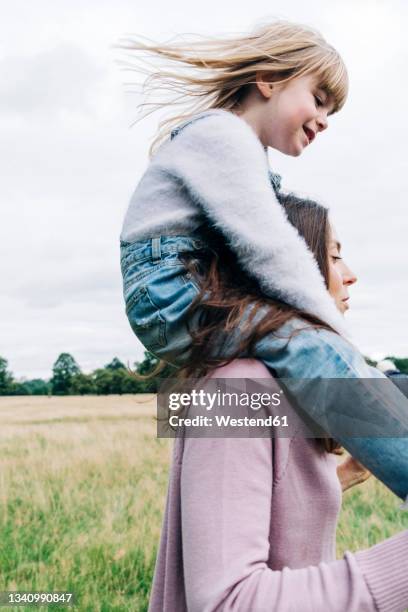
(221, 162)
(226, 488)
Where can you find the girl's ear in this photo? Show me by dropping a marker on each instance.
(264, 86)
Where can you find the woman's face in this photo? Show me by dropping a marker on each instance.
(340, 275)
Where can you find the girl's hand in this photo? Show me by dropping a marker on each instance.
(351, 472)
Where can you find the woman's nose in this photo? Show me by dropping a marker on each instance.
(349, 278)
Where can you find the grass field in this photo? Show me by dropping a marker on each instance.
(82, 491)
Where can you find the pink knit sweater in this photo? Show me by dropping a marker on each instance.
(250, 526)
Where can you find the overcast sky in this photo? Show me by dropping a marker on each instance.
(70, 161)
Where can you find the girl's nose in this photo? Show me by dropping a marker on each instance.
(322, 122)
(349, 278)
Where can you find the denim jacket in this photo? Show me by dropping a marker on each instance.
(158, 292)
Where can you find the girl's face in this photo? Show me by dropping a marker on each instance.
(293, 113)
(340, 275)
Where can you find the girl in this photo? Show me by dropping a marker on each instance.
(259, 534)
(275, 87)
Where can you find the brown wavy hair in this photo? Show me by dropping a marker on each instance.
(227, 292)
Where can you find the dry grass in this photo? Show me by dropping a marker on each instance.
(82, 491)
(82, 486)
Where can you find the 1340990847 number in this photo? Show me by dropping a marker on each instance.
(36, 598)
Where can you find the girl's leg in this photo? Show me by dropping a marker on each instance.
(158, 293)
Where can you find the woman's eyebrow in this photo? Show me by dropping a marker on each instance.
(336, 243)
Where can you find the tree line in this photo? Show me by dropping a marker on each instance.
(114, 378)
(68, 379)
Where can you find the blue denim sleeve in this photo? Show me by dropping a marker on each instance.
(308, 362)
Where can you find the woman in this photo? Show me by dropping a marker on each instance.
(241, 512)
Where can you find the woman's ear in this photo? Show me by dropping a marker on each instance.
(264, 86)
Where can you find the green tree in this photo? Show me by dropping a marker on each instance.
(147, 367)
(18, 388)
(148, 364)
(116, 382)
(130, 384)
(401, 363)
(119, 381)
(115, 364)
(36, 386)
(103, 381)
(82, 384)
(64, 369)
(6, 378)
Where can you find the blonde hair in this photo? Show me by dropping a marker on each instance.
(223, 68)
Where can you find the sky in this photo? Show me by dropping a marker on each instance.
(70, 161)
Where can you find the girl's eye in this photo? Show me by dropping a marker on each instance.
(319, 101)
(336, 257)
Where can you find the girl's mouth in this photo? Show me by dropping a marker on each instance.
(309, 133)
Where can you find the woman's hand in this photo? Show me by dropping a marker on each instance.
(351, 472)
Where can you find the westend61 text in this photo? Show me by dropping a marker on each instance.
(228, 421)
(222, 399)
